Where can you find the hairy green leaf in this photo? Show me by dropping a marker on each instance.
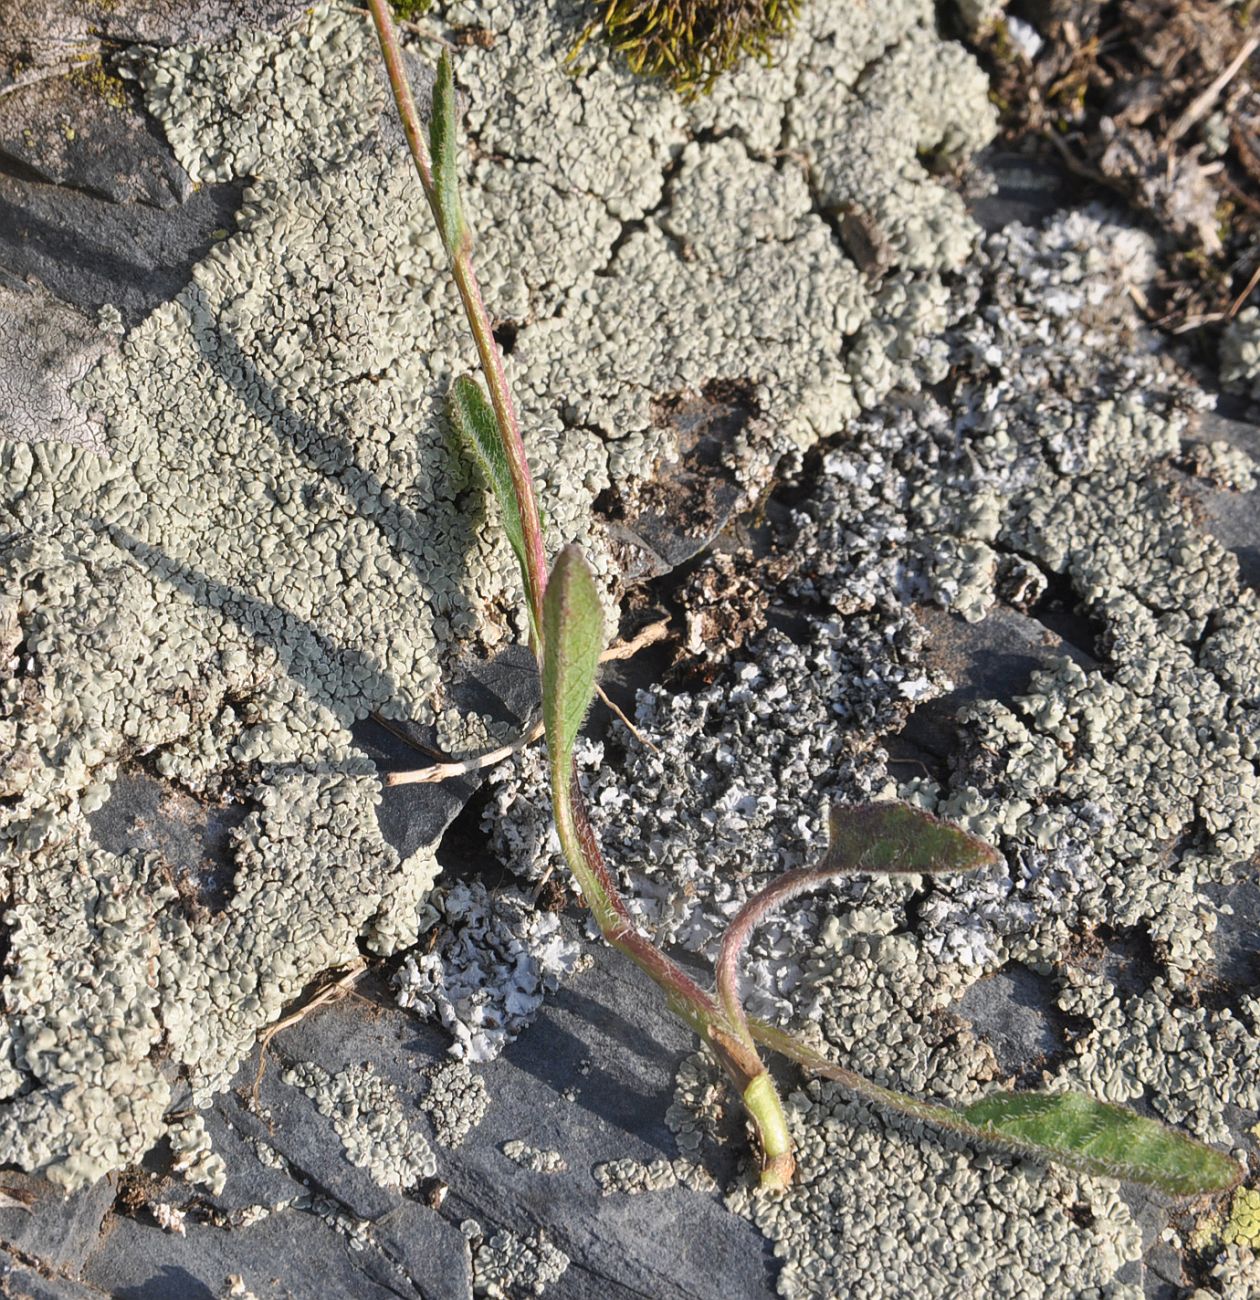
(1097, 1138)
(444, 150)
(472, 418)
(573, 639)
(895, 837)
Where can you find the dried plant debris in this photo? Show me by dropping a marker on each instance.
(495, 958)
(1160, 101)
(256, 532)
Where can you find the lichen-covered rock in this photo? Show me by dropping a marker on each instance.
(247, 530)
(1120, 786)
(369, 1119)
(505, 1265)
(891, 1209)
(456, 1101)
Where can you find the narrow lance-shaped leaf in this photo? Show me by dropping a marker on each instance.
(896, 837)
(1069, 1129)
(1097, 1138)
(472, 418)
(573, 639)
(444, 151)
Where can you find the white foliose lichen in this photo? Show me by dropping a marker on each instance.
(194, 1154)
(369, 1118)
(1235, 1276)
(506, 1266)
(497, 957)
(258, 533)
(737, 786)
(456, 1101)
(536, 1159)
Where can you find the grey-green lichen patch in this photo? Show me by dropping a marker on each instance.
(250, 531)
(632, 1177)
(506, 1266)
(368, 1117)
(1235, 1275)
(1117, 792)
(1240, 353)
(537, 1160)
(194, 1153)
(892, 1209)
(1197, 1062)
(456, 1101)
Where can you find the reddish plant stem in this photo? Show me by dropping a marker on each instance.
(686, 999)
(741, 930)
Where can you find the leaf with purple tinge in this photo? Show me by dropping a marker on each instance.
(895, 837)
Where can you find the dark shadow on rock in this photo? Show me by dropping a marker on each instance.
(325, 451)
(264, 622)
(88, 251)
(193, 835)
(169, 1283)
(614, 1088)
(410, 816)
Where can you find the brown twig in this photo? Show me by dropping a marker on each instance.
(1199, 106)
(337, 988)
(1246, 293)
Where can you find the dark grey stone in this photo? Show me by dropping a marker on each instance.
(1014, 1012)
(605, 1040)
(59, 1230)
(20, 1281)
(1233, 518)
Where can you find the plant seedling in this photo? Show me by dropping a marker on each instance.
(566, 632)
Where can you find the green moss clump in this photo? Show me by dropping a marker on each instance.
(690, 43)
(408, 11)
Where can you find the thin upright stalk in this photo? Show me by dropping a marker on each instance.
(731, 1042)
(465, 278)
